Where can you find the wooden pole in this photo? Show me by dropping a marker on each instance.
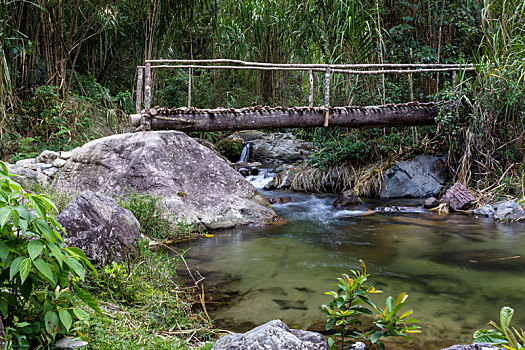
(140, 77)
(147, 88)
(327, 96)
(333, 70)
(321, 66)
(299, 117)
(190, 74)
(311, 88)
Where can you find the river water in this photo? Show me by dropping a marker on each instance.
(458, 270)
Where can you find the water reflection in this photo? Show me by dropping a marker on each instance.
(458, 270)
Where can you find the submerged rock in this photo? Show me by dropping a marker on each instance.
(196, 185)
(348, 200)
(96, 224)
(421, 177)
(273, 335)
(458, 197)
(508, 211)
(280, 200)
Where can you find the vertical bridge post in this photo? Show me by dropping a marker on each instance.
(327, 96)
(147, 88)
(311, 88)
(190, 74)
(140, 77)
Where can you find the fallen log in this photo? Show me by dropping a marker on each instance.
(411, 114)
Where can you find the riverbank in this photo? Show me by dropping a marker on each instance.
(145, 305)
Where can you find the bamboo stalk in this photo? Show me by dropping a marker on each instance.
(327, 96)
(140, 77)
(311, 88)
(147, 88)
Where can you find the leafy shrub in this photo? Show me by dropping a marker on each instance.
(39, 275)
(352, 300)
(502, 336)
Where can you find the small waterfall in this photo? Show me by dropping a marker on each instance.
(245, 155)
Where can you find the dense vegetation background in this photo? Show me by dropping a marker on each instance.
(67, 71)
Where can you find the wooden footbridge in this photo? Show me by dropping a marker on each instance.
(189, 118)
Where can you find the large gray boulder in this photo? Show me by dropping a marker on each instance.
(508, 211)
(96, 224)
(273, 335)
(421, 177)
(196, 185)
(275, 147)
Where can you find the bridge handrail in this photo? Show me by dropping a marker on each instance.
(316, 65)
(144, 73)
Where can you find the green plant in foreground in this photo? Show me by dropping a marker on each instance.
(38, 274)
(352, 300)
(502, 335)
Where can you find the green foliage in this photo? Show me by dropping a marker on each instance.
(39, 275)
(352, 300)
(150, 308)
(510, 339)
(155, 220)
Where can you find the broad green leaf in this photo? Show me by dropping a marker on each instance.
(45, 270)
(57, 253)
(505, 316)
(405, 314)
(81, 314)
(330, 323)
(4, 252)
(49, 202)
(65, 318)
(87, 298)
(63, 276)
(23, 212)
(493, 339)
(74, 251)
(76, 267)
(51, 321)
(34, 248)
(15, 267)
(390, 303)
(375, 337)
(38, 205)
(5, 215)
(25, 268)
(45, 230)
(401, 298)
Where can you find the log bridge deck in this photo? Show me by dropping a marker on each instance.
(259, 117)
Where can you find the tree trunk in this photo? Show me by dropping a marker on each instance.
(300, 117)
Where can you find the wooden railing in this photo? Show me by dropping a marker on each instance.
(145, 81)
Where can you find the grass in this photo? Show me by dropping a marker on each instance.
(156, 221)
(145, 306)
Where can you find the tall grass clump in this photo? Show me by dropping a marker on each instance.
(155, 219)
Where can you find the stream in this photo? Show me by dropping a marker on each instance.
(458, 270)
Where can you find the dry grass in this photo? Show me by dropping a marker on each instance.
(365, 180)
